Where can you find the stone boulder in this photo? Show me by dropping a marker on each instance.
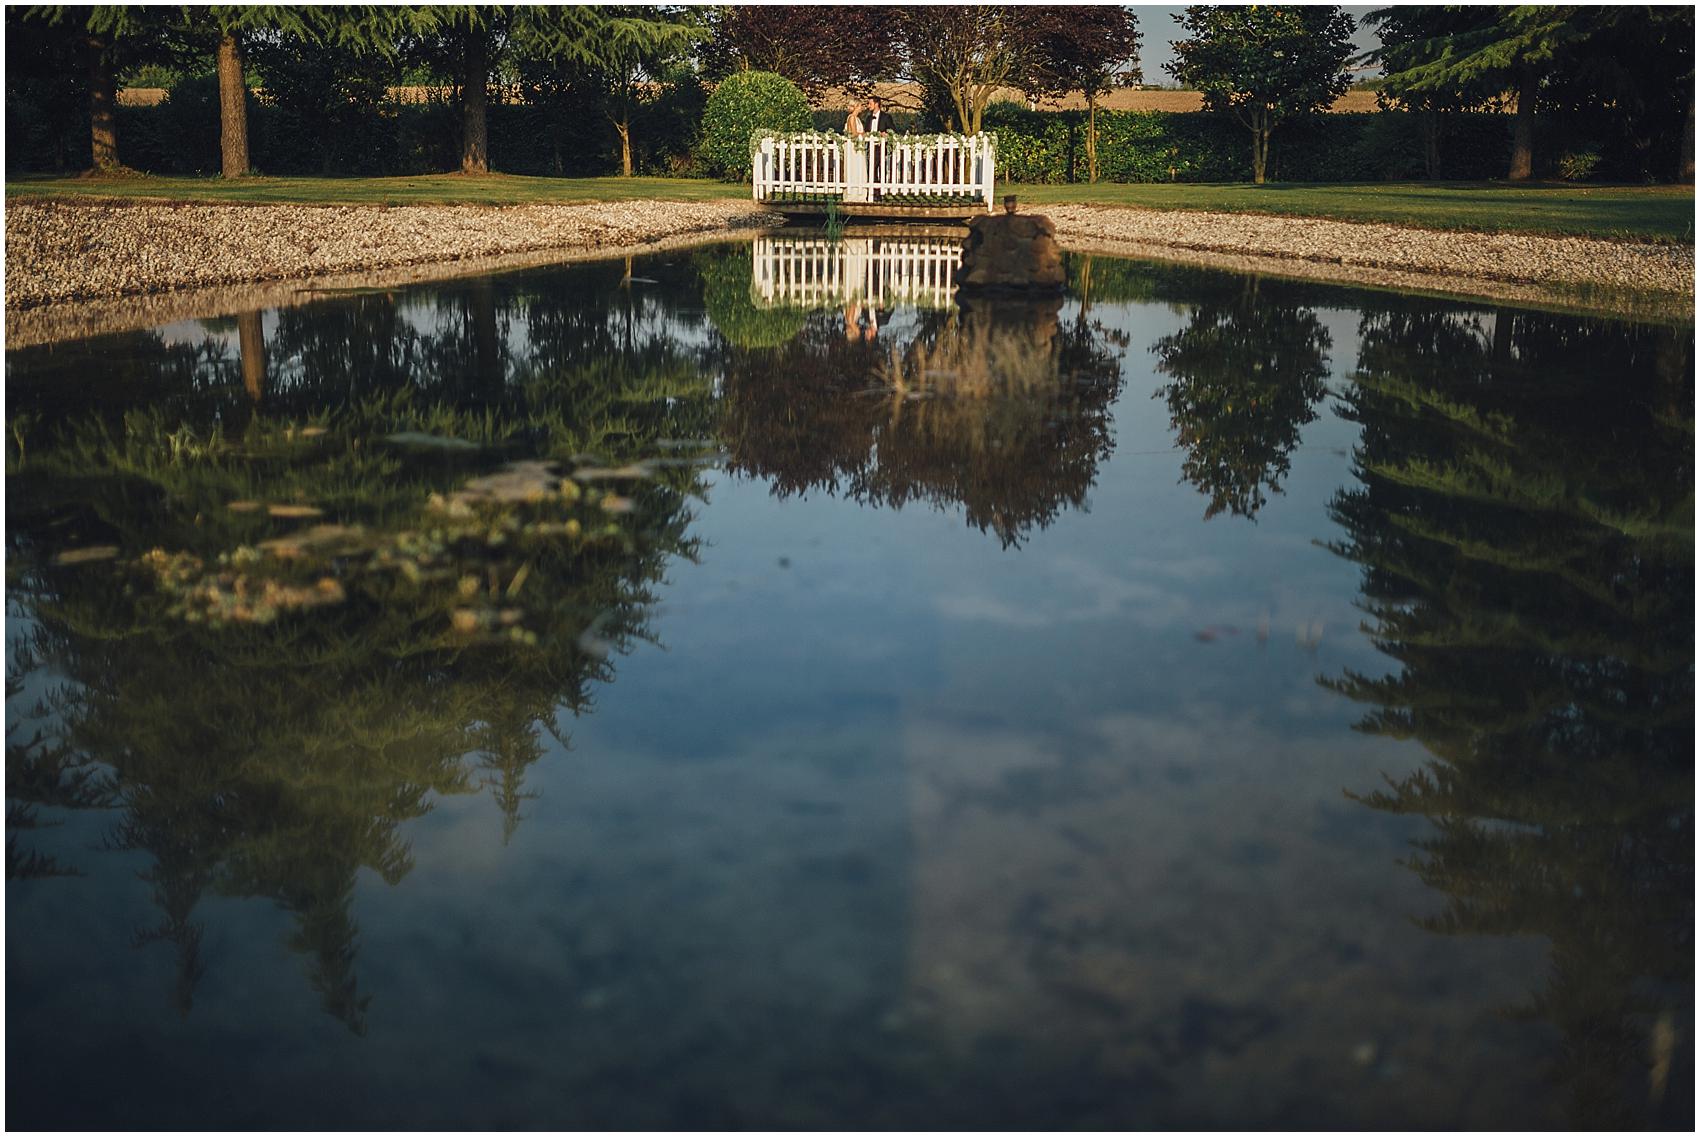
(1011, 252)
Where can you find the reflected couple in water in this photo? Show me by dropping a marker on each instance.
(998, 408)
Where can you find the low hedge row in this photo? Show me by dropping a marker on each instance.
(1162, 146)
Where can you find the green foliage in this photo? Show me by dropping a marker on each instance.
(727, 281)
(1578, 165)
(1264, 65)
(1049, 147)
(1620, 72)
(743, 104)
(1264, 62)
(47, 112)
(323, 99)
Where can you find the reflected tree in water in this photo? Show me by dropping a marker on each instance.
(1525, 526)
(1246, 374)
(268, 694)
(1001, 410)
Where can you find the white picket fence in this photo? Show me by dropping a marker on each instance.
(813, 272)
(937, 169)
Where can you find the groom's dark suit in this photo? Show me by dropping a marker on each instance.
(884, 121)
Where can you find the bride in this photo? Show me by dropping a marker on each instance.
(853, 122)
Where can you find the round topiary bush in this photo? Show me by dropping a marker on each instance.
(748, 101)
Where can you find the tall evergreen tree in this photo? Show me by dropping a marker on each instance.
(1620, 54)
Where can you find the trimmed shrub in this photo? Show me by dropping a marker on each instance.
(745, 102)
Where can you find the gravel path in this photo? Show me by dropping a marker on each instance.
(81, 250)
(1577, 261)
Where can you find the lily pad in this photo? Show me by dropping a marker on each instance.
(515, 482)
(613, 473)
(417, 440)
(84, 556)
(320, 540)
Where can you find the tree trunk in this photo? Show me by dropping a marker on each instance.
(103, 98)
(251, 336)
(1685, 159)
(485, 336)
(475, 134)
(232, 108)
(1523, 128)
(1259, 151)
(625, 129)
(1428, 125)
(1092, 137)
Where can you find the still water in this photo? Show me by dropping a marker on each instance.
(743, 688)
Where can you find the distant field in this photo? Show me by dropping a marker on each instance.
(900, 95)
(1641, 213)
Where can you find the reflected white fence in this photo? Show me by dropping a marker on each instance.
(893, 170)
(814, 272)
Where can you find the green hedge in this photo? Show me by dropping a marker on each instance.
(1159, 146)
(180, 136)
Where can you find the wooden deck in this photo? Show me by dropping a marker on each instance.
(877, 209)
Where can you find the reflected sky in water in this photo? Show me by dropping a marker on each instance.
(637, 695)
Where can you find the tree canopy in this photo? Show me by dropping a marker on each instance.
(1264, 65)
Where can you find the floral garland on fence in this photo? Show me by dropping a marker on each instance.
(835, 138)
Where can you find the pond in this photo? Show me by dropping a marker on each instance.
(742, 687)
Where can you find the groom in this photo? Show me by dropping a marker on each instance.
(876, 123)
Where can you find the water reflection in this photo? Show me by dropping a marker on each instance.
(896, 836)
(880, 272)
(1525, 528)
(1247, 373)
(314, 614)
(999, 408)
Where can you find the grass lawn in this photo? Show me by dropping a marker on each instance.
(425, 189)
(1643, 213)
(1646, 213)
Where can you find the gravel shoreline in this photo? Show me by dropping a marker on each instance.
(1522, 258)
(59, 251)
(90, 266)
